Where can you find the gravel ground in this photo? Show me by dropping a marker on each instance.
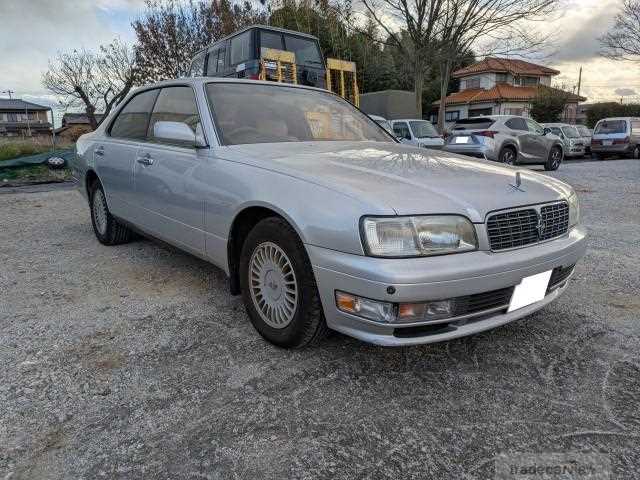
(134, 361)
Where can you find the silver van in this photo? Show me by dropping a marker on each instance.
(618, 136)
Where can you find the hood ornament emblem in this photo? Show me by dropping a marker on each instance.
(518, 183)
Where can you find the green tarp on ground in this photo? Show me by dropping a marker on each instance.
(38, 159)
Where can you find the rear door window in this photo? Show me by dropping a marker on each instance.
(133, 119)
(176, 104)
(608, 127)
(517, 124)
(241, 48)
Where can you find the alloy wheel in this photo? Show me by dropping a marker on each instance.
(508, 157)
(99, 207)
(556, 157)
(273, 285)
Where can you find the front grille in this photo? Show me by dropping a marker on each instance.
(517, 228)
(555, 219)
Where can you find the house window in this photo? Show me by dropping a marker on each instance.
(452, 116)
(478, 112)
(12, 117)
(472, 83)
(514, 111)
(501, 78)
(527, 81)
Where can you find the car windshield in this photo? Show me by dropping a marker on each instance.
(570, 132)
(249, 113)
(611, 126)
(422, 129)
(306, 51)
(384, 124)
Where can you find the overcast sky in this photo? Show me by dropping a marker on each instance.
(31, 31)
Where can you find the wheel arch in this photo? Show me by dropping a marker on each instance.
(243, 222)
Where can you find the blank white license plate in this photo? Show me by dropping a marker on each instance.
(607, 143)
(530, 290)
(462, 139)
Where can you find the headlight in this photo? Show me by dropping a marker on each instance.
(574, 210)
(417, 236)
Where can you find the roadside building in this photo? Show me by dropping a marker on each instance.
(19, 118)
(74, 125)
(389, 104)
(500, 86)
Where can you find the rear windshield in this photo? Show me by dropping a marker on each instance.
(570, 132)
(479, 123)
(252, 113)
(611, 126)
(423, 129)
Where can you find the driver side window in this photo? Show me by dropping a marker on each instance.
(175, 104)
(534, 127)
(401, 129)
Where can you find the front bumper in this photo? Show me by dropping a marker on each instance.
(574, 152)
(434, 278)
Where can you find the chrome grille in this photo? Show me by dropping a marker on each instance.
(555, 219)
(517, 228)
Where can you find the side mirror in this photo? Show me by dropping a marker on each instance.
(177, 132)
(546, 131)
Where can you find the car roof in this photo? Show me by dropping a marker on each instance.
(197, 81)
(377, 117)
(618, 118)
(410, 120)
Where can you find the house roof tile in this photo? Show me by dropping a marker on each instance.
(501, 92)
(18, 104)
(504, 65)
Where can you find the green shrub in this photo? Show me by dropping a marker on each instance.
(10, 149)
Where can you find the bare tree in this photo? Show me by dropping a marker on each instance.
(415, 38)
(622, 42)
(92, 80)
(170, 32)
(489, 27)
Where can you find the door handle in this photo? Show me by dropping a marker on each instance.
(145, 159)
(99, 151)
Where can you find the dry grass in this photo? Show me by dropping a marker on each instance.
(17, 147)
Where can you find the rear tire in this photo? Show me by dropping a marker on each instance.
(554, 160)
(107, 229)
(278, 286)
(508, 156)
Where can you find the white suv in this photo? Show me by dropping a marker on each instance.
(417, 132)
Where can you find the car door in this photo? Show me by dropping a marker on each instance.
(535, 145)
(115, 154)
(401, 130)
(165, 176)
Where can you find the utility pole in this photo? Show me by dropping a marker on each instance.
(579, 81)
(26, 112)
(8, 92)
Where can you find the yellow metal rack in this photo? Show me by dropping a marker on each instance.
(341, 79)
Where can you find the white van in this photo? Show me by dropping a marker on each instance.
(417, 132)
(616, 136)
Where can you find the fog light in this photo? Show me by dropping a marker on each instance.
(364, 307)
(417, 312)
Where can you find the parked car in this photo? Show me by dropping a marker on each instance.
(321, 219)
(507, 139)
(574, 145)
(383, 122)
(586, 134)
(417, 132)
(616, 136)
(238, 55)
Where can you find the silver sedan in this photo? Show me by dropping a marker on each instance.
(321, 219)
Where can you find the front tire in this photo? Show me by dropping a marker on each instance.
(554, 160)
(107, 229)
(278, 286)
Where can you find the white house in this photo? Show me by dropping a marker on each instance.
(500, 86)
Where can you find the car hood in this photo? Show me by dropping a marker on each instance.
(405, 179)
